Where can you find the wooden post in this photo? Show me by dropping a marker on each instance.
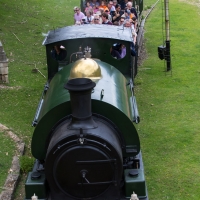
(167, 28)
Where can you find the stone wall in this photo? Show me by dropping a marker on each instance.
(3, 65)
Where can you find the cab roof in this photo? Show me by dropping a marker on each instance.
(88, 31)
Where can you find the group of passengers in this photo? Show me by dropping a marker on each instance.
(110, 12)
(113, 12)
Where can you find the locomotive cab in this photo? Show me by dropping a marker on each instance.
(99, 39)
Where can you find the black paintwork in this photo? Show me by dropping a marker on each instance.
(88, 31)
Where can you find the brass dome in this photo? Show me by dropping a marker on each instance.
(85, 68)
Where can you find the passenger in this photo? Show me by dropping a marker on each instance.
(105, 19)
(132, 9)
(85, 3)
(103, 5)
(101, 11)
(88, 7)
(131, 14)
(128, 24)
(115, 51)
(93, 3)
(100, 16)
(59, 53)
(128, 14)
(123, 4)
(96, 8)
(118, 51)
(111, 8)
(123, 51)
(109, 16)
(134, 22)
(96, 19)
(115, 3)
(78, 16)
(88, 18)
(121, 21)
(117, 15)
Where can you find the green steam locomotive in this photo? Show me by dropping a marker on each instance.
(85, 144)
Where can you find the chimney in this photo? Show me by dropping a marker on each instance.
(80, 90)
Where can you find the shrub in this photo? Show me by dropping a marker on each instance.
(26, 163)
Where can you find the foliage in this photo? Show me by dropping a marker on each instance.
(26, 163)
(147, 7)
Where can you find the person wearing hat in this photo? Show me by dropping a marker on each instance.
(117, 14)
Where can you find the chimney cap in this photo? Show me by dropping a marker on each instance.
(79, 84)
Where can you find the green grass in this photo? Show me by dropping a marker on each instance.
(26, 164)
(28, 20)
(169, 106)
(7, 151)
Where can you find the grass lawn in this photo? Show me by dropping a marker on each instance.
(168, 105)
(7, 151)
(29, 21)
